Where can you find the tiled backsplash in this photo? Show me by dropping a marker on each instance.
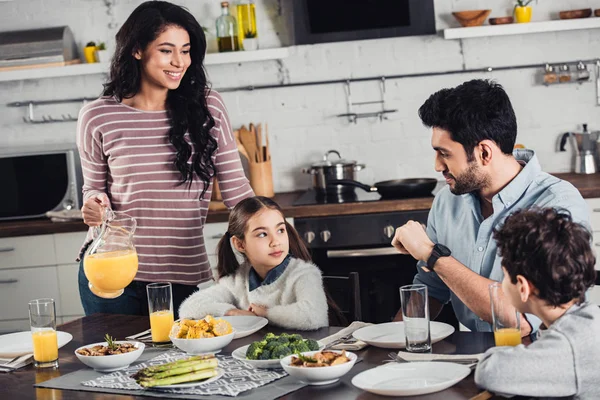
(302, 120)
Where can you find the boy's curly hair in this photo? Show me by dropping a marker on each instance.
(550, 250)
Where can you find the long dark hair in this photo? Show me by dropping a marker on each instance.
(186, 106)
(238, 222)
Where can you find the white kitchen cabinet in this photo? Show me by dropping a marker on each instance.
(25, 284)
(67, 246)
(27, 251)
(14, 325)
(594, 206)
(68, 287)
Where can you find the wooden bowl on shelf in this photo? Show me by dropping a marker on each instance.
(501, 20)
(597, 12)
(573, 14)
(471, 17)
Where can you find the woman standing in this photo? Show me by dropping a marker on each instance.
(150, 147)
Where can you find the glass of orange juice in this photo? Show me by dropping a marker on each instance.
(506, 319)
(160, 306)
(42, 316)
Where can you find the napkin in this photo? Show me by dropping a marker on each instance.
(354, 345)
(11, 364)
(434, 357)
(65, 215)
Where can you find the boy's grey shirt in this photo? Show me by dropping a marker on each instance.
(563, 362)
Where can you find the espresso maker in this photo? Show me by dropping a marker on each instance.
(585, 147)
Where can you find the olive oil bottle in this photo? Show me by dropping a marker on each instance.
(246, 19)
(227, 30)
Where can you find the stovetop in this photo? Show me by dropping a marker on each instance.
(312, 197)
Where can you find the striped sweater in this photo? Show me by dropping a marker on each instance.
(125, 153)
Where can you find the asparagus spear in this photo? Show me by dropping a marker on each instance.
(178, 363)
(171, 380)
(181, 370)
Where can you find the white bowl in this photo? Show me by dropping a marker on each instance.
(318, 375)
(203, 345)
(113, 362)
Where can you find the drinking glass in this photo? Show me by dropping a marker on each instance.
(42, 317)
(415, 313)
(160, 306)
(505, 318)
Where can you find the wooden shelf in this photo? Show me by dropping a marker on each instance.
(102, 68)
(520, 29)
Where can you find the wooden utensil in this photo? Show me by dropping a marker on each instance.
(248, 139)
(268, 149)
(240, 146)
(259, 142)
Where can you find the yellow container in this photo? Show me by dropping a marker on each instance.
(523, 14)
(89, 53)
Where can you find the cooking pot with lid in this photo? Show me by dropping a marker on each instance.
(332, 170)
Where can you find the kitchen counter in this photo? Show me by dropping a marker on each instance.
(588, 185)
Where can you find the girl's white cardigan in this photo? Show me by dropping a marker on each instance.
(296, 300)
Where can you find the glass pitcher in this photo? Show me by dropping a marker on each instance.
(111, 262)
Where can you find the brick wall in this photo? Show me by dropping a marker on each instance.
(302, 121)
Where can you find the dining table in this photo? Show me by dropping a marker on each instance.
(19, 384)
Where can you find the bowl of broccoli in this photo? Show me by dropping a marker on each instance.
(267, 352)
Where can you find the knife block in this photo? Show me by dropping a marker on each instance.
(261, 178)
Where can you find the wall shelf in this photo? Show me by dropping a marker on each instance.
(102, 68)
(520, 29)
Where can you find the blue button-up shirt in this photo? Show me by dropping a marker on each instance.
(456, 221)
(255, 281)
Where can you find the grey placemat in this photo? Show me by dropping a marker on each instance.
(276, 387)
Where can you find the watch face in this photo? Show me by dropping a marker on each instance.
(443, 250)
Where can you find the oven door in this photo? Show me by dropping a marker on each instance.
(381, 271)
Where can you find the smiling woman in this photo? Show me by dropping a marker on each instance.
(151, 145)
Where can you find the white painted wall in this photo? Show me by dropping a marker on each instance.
(302, 120)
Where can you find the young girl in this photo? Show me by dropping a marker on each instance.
(264, 269)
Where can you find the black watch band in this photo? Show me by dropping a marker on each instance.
(439, 250)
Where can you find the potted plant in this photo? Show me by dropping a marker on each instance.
(89, 52)
(250, 41)
(523, 11)
(102, 55)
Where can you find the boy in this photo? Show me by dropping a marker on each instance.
(548, 266)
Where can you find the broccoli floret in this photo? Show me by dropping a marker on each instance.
(265, 355)
(295, 338)
(254, 350)
(270, 336)
(313, 345)
(280, 352)
(299, 347)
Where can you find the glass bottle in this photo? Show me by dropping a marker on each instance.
(565, 74)
(582, 72)
(227, 30)
(550, 75)
(246, 18)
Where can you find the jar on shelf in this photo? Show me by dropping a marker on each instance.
(582, 72)
(227, 30)
(246, 19)
(565, 74)
(550, 75)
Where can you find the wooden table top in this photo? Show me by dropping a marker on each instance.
(19, 384)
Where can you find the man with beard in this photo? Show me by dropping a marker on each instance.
(474, 131)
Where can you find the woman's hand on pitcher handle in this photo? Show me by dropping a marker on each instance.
(93, 208)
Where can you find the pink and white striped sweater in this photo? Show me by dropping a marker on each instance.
(125, 153)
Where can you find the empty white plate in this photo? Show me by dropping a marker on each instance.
(390, 335)
(245, 325)
(410, 379)
(19, 343)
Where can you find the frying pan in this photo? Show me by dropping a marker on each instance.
(394, 189)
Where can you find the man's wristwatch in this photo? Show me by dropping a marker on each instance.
(439, 250)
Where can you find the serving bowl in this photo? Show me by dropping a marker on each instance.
(318, 375)
(203, 345)
(471, 17)
(501, 20)
(113, 362)
(574, 14)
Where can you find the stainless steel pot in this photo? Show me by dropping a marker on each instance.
(327, 170)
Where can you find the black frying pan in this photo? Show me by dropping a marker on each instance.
(395, 189)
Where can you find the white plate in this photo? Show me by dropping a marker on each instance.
(245, 325)
(411, 379)
(240, 354)
(19, 343)
(220, 373)
(390, 335)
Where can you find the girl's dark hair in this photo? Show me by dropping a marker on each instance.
(238, 222)
(550, 250)
(186, 106)
(474, 111)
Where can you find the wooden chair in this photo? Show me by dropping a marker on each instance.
(344, 293)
